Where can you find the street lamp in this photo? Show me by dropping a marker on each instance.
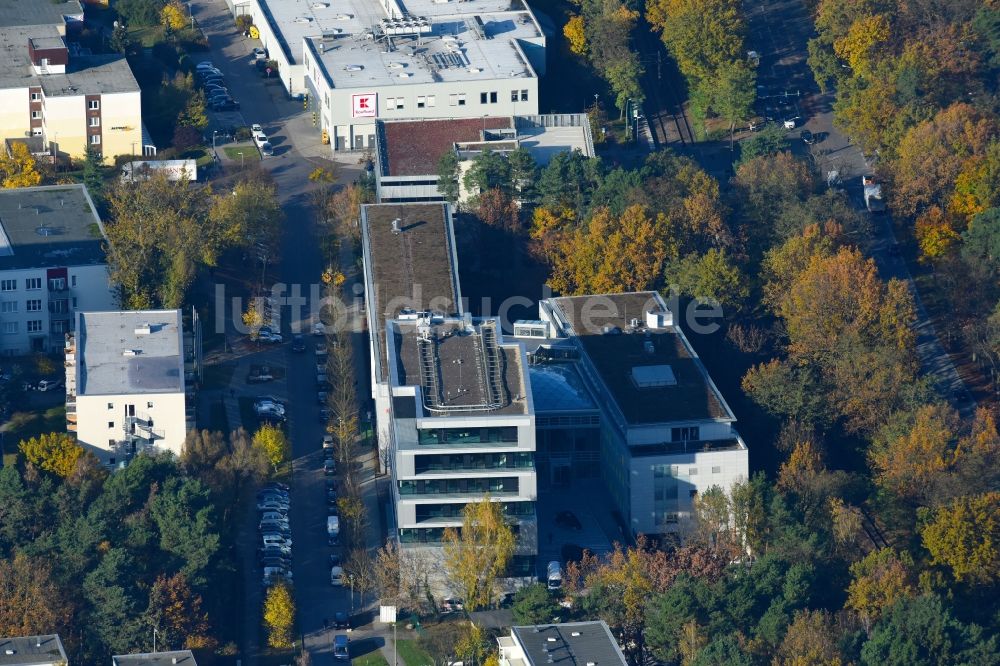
(350, 580)
(241, 159)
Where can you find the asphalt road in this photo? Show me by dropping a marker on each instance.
(779, 32)
(297, 153)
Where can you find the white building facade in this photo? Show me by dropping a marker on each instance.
(667, 434)
(52, 264)
(70, 101)
(463, 427)
(127, 382)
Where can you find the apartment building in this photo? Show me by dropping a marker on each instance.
(52, 264)
(44, 650)
(129, 382)
(56, 91)
(463, 426)
(666, 432)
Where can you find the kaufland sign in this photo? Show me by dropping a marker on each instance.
(364, 105)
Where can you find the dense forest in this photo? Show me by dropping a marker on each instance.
(104, 559)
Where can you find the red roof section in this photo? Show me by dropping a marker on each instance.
(414, 148)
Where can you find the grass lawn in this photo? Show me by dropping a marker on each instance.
(371, 659)
(25, 425)
(201, 156)
(249, 153)
(411, 652)
(146, 35)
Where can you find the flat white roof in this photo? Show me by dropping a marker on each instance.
(453, 51)
(298, 20)
(117, 357)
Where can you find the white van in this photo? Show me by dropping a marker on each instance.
(553, 578)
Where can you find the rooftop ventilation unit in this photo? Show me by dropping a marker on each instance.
(131, 352)
(143, 329)
(659, 318)
(575, 634)
(395, 226)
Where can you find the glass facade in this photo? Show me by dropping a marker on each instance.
(459, 486)
(445, 462)
(435, 535)
(437, 511)
(467, 436)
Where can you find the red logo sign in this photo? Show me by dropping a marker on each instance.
(364, 105)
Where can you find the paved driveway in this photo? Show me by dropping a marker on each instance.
(297, 153)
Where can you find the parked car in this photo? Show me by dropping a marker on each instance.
(341, 620)
(807, 137)
(336, 575)
(49, 385)
(259, 375)
(320, 349)
(319, 330)
(259, 53)
(267, 150)
(274, 551)
(341, 647)
(298, 343)
(329, 467)
(320, 397)
(275, 540)
(272, 504)
(270, 337)
(229, 105)
(324, 415)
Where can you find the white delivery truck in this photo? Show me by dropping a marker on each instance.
(173, 169)
(873, 194)
(553, 576)
(333, 530)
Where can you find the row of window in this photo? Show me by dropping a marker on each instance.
(464, 436)
(60, 306)
(33, 284)
(446, 462)
(93, 105)
(13, 327)
(663, 471)
(438, 511)
(455, 99)
(459, 486)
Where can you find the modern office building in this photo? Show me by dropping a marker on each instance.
(666, 432)
(463, 426)
(408, 151)
(366, 59)
(454, 414)
(577, 643)
(52, 264)
(51, 89)
(45, 650)
(410, 266)
(129, 382)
